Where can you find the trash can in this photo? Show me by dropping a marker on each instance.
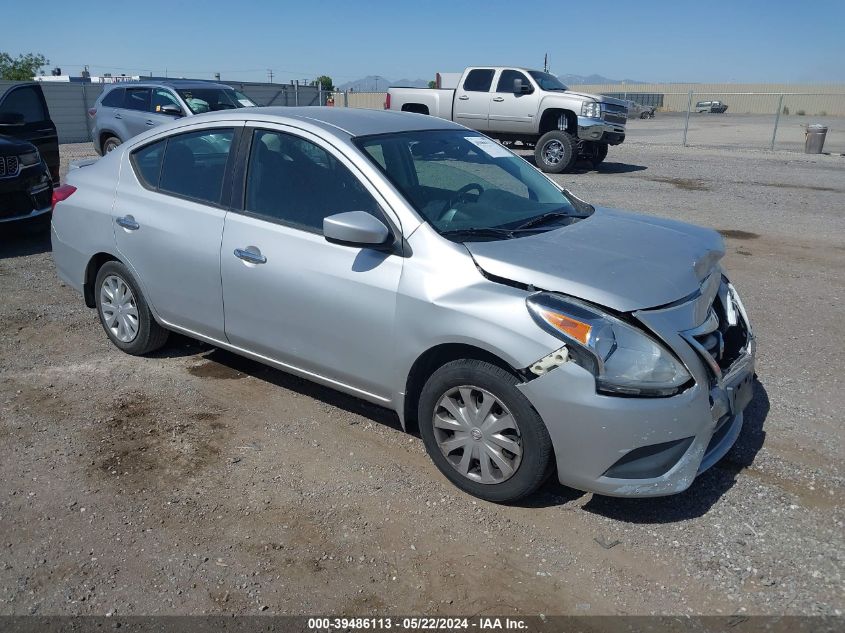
(814, 138)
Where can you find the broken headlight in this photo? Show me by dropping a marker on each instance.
(624, 359)
(30, 158)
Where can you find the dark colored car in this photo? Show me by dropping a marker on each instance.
(712, 107)
(29, 153)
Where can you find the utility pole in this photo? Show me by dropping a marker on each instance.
(270, 75)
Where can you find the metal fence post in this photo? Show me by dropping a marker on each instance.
(345, 98)
(296, 93)
(85, 112)
(319, 93)
(686, 124)
(777, 120)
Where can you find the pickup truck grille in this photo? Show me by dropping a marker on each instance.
(613, 113)
(9, 166)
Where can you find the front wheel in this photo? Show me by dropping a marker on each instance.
(110, 144)
(556, 152)
(482, 433)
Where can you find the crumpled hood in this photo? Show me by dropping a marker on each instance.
(10, 145)
(624, 261)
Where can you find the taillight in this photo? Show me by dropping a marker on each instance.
(62, 193)
(387, 102)
(92, 112)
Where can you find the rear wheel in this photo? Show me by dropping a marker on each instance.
(110, 144)
(556, 152)
(482, 433)
(124, 313)
(598, 153)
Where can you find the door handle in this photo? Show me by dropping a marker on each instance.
(117, 116)
(250, 256)
(463, 97)
(498, 98)
(128, 223)
(46, 129)
(150, 122)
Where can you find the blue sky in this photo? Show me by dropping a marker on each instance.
(654, 40)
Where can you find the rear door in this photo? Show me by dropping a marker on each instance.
(38, 128)
(168, 216)
(472, 99)
(511, 112)
(136, 111)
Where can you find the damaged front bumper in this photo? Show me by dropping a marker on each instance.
(645, 447)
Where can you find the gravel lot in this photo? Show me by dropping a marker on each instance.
(193, 481)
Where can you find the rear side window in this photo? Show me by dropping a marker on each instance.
(137, 99)
(194, 164)
(479, 80)
(114, 99)
(25, 101)
(147, 163)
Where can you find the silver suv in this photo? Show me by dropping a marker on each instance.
(129, 109)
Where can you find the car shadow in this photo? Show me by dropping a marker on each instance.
(704, 492)
(240, 365)
(20, 239)
(584, 166)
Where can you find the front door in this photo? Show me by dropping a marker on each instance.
(325, 309)
(510, 111)
(472, 99)
(169, 221)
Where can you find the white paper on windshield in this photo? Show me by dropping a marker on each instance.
(488, 146)
(246, 103)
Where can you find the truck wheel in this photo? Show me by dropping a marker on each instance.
(556, 152)
(109, 144)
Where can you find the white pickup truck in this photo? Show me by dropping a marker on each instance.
(531, 106)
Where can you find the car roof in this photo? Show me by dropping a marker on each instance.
(352, 121)
(170, 83)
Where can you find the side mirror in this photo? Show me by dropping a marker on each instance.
(355, 228)
(521, 89)
(11, 118)
(171, 109)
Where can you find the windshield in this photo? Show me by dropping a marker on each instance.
(201, 100)
(546, 81)
(469, 187)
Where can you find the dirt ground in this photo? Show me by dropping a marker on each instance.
(193, 481)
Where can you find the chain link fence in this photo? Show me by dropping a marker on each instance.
(766, 116)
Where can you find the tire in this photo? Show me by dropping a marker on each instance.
(477, 381)
(556, 152)
(148, 335)
(599, 154)
(110, 143)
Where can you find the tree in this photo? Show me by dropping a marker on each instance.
(24, 67)
(432, 84)
(325, 81)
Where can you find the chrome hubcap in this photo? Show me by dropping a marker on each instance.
(478, 435)
(119, 310)
(553, 152)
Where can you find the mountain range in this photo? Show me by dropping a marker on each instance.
(376, 83)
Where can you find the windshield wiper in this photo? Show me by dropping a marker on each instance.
(478, 232)
(546, 217)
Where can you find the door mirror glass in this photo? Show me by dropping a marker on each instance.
(171, 109)
(355, 228)
(11, 118)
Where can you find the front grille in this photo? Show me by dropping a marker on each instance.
(613, 113)
(9, 166)
(721, 340)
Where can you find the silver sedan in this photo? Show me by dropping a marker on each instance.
(422, 266)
